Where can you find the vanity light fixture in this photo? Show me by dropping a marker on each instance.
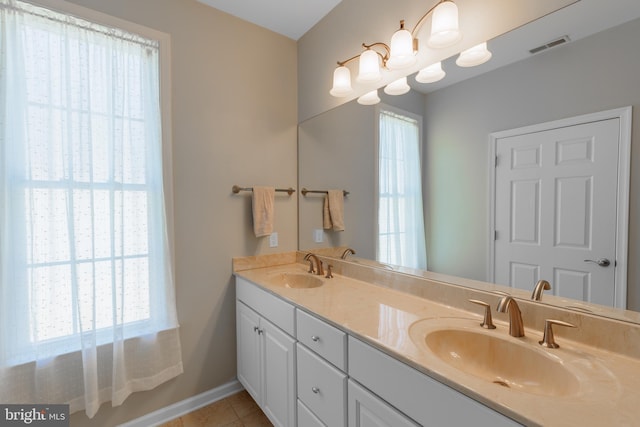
(370, 60)
(401, 53)
(369, 69)
(369, 98)
(478, 54)
(341, 82)
(431, 74)
(445, 32)
(398, 87)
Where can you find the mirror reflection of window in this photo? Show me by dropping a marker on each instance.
(400, 234)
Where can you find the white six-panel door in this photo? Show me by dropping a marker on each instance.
(556, 207)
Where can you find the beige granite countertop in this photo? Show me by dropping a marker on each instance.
(609, 394)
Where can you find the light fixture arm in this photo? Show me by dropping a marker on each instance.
(384, 57)
(417, 27)
(420, 23)
(346, 61)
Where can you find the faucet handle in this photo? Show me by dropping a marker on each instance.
(547, 337)
(487, 322)
(329, 274)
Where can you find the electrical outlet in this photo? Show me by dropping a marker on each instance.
(318, 235)
(273, 240)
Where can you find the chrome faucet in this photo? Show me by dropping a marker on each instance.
(542, 285)
(312, 257)
(347, 252)
(508, 305)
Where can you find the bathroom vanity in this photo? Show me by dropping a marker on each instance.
(375, 347)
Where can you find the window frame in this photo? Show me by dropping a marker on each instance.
(379, 108)
(64, 345)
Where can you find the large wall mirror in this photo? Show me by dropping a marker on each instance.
(337, 148)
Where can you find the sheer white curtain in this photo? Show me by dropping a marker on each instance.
(401, 238)
(87, 307)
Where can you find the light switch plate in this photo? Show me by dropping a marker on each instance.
(273, 240)
(318, 235)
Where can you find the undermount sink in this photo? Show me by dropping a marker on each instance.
(502, 361)
(296, 280)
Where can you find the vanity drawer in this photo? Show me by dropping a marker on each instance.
(326, 340)
(322, 388)
(306, 417)
(279, 312)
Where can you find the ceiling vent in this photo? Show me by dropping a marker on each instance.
(557, 42)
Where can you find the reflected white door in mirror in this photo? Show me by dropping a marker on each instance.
(560, 200)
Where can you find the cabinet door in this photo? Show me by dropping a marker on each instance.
(368, 410)
(248, 346)
(279, 356)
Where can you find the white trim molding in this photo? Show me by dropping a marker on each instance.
(183, 407)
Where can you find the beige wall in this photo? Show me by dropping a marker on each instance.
(594, 74)
(230, 126)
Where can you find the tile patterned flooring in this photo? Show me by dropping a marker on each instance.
(238, 410)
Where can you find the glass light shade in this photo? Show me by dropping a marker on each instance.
(369, 98)
(398, 87)
(431, 74)
(444, 26)
(479, 54)
(369, 71)
(341, 82)
(401, 51)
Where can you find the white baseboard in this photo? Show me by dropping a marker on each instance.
(178, 409)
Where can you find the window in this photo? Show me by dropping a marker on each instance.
(401, 239)
(84, 246)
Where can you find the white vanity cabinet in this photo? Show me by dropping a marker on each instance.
(416, 395)
(304, 372)
(266, 353)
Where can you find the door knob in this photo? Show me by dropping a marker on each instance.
(602, 262)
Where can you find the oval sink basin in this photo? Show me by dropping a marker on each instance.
(502, 361)
(296, 280)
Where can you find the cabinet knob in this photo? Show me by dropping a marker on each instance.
(316, 390)
(255, 329)
(260, 331)
(315, 338)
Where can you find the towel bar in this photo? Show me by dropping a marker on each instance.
(304, 191)
(236, 189)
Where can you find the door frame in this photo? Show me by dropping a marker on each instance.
(624, 173)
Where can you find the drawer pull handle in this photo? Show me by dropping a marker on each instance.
(315, 338)
(255, 329)
(316, 390)
(260, 331)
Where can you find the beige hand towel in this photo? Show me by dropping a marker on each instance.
(262, 203)
(333, 210)
(326, 216)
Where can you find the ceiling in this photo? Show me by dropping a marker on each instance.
(291, 18)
